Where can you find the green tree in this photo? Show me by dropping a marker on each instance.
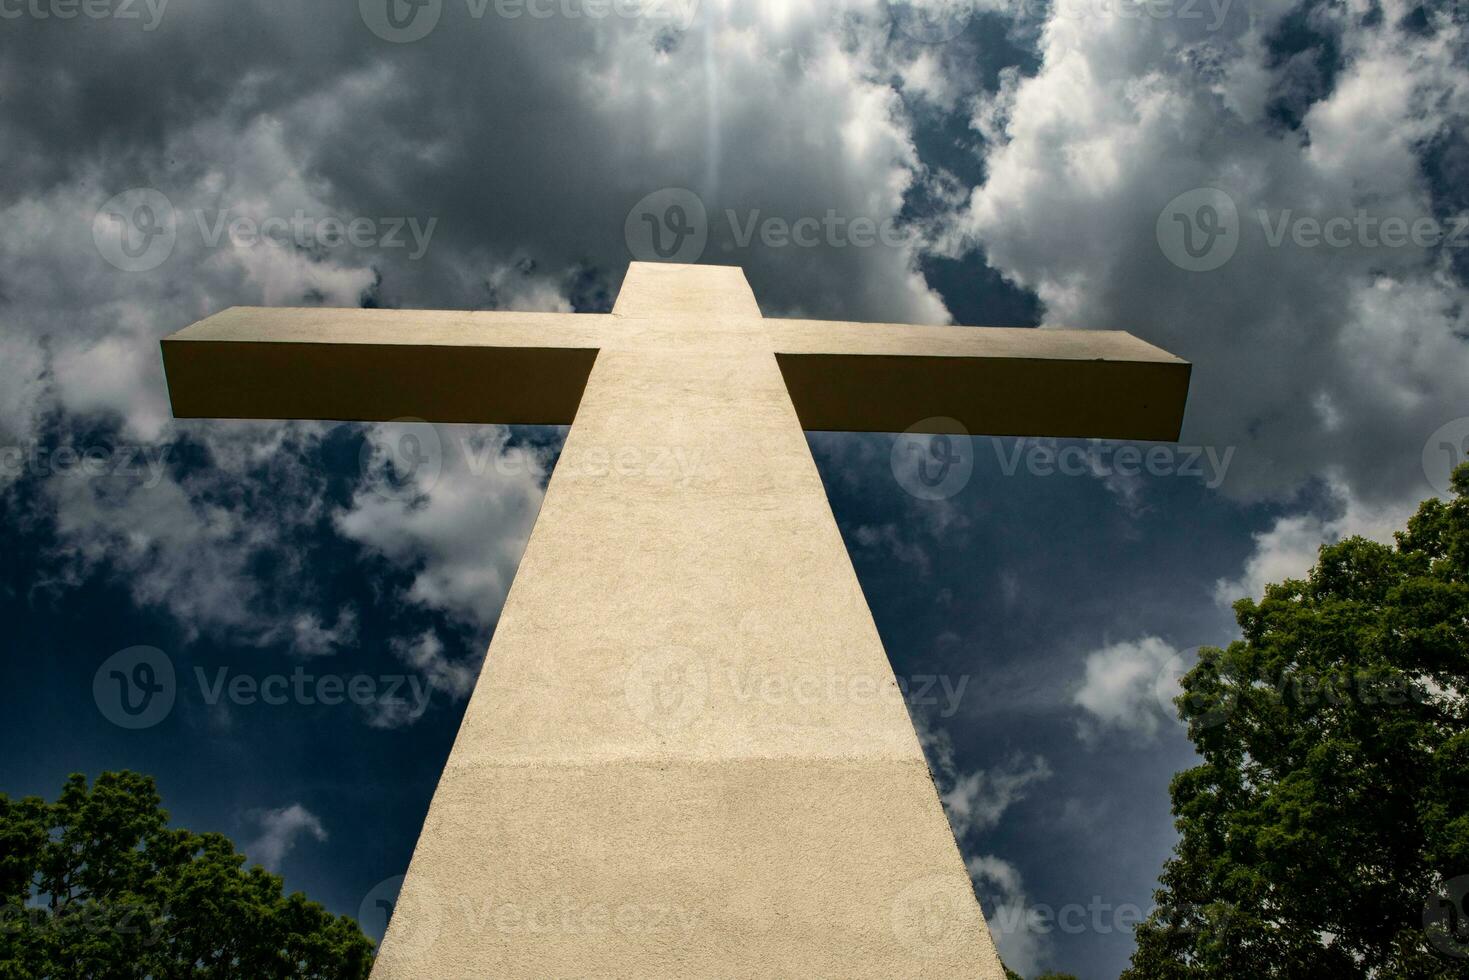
(97, 885)
(1326, 832)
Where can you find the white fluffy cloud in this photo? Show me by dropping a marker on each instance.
(460, 523)
(1126, 113)
(975, 800)
(1288, 548)
(1019, 932)
(280, 830)
(1326, 366)
(775, 109)
(1129, 687)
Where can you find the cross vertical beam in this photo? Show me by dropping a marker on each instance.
(686, 755)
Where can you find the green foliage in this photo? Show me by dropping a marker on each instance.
(97, 885)
(1332, 804)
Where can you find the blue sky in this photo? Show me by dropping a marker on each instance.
(1221, 185)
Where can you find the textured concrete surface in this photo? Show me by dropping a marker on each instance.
(687, 755)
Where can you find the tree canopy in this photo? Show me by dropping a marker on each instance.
(1326, 831)
(96, 884)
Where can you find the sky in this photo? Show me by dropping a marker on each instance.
(1277, 191)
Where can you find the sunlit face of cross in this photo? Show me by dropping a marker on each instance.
(645, 729)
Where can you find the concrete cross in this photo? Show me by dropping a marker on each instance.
(687, 755)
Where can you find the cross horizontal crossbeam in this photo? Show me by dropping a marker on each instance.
(531, 368)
